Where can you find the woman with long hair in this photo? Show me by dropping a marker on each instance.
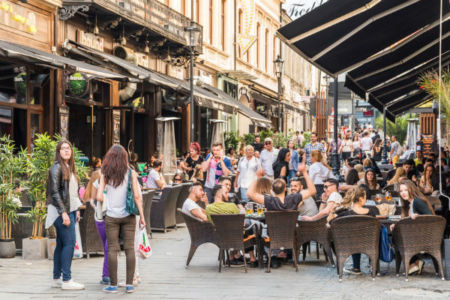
(356, 145)
(263, 185)
(414, 203)
(114, 182)
(63, 211)
(399, 173)
(369, 182)
(346, 148)
(319, 171)
(90, 196)
(427, 181)
(281, 165)
(376, 150)
(357, 197)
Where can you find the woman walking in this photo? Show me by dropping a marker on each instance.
(293, 163)
(63, 211)
(319, 171)
(116, 174)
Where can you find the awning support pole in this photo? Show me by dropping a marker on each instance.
(191, 83)
(384, 160)
(336, 162)
(279, 105)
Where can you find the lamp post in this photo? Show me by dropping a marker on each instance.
(336, 162)
(384, 160)
(279, 72)
(192, 36)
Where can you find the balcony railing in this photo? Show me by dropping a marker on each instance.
(151, 14)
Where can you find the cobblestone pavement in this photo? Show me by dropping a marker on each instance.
(165, 277)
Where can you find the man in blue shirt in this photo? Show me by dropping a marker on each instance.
(216, 165)
(310, 147)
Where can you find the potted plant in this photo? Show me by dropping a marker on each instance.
(12, 168)
(39, 162)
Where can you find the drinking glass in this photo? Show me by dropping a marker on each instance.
(259, 210)
(388, 196)
(378, 198)
(249, 209)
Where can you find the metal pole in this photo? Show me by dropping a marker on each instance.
(336, 163)
(384, 160)
(191, 82)
(279, 103)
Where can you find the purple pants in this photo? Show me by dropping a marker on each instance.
(102, 233)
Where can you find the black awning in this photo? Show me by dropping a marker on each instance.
(341, 34)
(409, 102)
(263, 98)
(35, 56)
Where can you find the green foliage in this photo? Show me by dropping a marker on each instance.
(399, 128)
(281, 140)
(307, 139)
(430, 83)
(265, 134)
(232, 140)
(248, 139)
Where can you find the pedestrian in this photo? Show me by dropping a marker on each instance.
(63, 211)
(346, 148)
(293, 163)
(313, 145)
(249, 168)
(366, 144)
(114, 183)
(99, 218)
(319, 171)
(281, 165)
(257, 145)
(356, 145)
(215, 166)
(268, 157)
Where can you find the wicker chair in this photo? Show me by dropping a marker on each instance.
(184, 193)
(281, 230)
(162, 215)
(356, 234)
(199, 232)
(317, 230)
(147, 198)
(88, 231)
(229, 229)
(424, 234)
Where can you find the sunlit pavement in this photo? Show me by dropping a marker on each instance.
(164, 276)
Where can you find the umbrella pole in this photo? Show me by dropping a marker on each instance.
(336, 163)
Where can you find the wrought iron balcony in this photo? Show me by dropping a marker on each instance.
(158, 20)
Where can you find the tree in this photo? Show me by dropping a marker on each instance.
(399, 128)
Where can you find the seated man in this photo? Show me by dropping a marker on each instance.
(280, 201)
(190, 205)
(330, 200)
(155, 180)
(221, 206)
(307, 206)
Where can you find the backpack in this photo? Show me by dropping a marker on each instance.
(386, 248)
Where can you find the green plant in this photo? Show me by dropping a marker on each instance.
(429, 82)
(248, 139)
(399, 128)
(265, 134)
(232, 140)
(281, 140)
(307, 139)
(12, 169)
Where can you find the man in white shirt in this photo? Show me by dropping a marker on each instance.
(330, 200)
(154, 179)
(190, 205)
(249, 168)
(366, 143)
(268, 157)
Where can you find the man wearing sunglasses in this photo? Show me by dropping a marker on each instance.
(330, 200)
(268, 157)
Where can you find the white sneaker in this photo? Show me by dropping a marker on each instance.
(57, 283)
(72, 285)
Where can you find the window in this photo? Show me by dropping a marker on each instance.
(211, 16)
(258, 45)
(266, 50)
(222, 22)
(240, 28)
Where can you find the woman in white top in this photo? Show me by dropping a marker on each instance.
(116, 174)
(346, 148)
(356, 145)
(249, 169)
(319, 171)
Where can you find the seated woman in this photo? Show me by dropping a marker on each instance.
(351, 181)
(369, 183)
(357, 196)
(428, 182)
(414, 203)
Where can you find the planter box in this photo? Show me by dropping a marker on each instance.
(7, 249)
(51, 245)
(34, 249)
(22, 229)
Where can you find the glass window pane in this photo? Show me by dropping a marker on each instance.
(13, 80)
(35, 125)
(5, 121)
(39, 82)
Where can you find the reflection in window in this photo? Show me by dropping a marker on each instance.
(39, 83)
(13, 83)
(5, 121)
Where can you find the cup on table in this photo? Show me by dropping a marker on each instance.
(388, 196)
(259, 210)
(378, 198)
(249, 209)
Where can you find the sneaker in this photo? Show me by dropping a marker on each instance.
(353, 271)
(110, 289)
(105, 280)
(136, 280)
(72, 285)
(130, 289)
(57, 283)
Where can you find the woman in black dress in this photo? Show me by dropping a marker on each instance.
(376, 150)
(281, 165)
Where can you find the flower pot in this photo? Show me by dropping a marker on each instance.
(7, 249)
(34, 248)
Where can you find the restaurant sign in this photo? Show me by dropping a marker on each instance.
(17, 17)
(90, 40)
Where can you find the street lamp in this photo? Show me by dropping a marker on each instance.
(192, 36)
(279, 72)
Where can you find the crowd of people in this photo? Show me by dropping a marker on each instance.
(295, 177)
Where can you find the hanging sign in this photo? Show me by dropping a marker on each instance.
(90, 40)
(247, 37)
(18, 17)
(78, 85)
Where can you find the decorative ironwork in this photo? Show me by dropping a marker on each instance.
(68, 11)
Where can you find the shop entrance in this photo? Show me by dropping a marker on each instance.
(135, 126)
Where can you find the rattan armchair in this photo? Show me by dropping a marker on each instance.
(162, 215)
(423, 234)
(317, 231)
(229, 229)
(200, 233)
(184, 193)
(281, 230)
(90, 238)
(355, 234)
(147, 198)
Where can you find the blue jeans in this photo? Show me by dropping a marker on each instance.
(292, 174)
(65, 244)
(244, 197)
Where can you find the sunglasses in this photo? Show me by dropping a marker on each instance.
(326, 186)
(267, 143)
(294, 179)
